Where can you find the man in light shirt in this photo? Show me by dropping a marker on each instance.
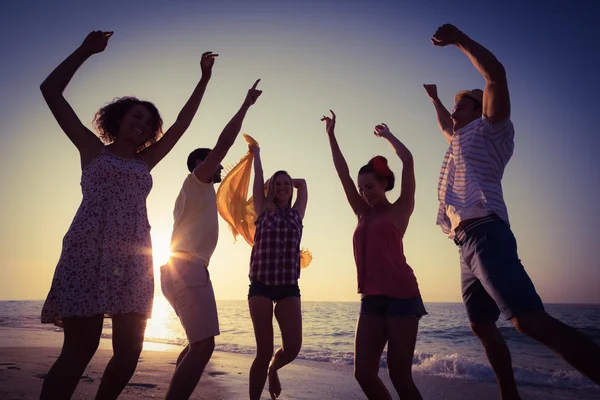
(185, 280)
(473, 213)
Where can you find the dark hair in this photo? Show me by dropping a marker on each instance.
(378, 166)
(198, 154)
(108, 119)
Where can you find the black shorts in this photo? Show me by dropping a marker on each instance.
(391, 307)
(273, 292)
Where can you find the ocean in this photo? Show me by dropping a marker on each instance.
(445, 344)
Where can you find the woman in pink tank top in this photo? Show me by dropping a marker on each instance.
(391, 304)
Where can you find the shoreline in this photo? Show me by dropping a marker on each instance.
(27, 354)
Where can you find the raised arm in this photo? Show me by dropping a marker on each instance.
(258, 189)
(406, 202)
(301, 196)
(443, 115)
(358, 204)
(53, 87)
(207, 168)
(157, 151)
(496, 100)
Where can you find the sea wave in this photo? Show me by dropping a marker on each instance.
(452, 366)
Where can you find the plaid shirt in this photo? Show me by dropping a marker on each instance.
(275, 258)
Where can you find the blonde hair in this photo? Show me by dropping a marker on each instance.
(270, 196)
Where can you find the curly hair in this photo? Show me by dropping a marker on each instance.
(378, 166)
(107, 119)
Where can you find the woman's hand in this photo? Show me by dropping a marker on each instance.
(329, 123)
(95, 42)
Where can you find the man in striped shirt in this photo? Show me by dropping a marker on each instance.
(472, 212)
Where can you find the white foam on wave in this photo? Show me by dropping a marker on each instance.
(457, 366)
(453, 366)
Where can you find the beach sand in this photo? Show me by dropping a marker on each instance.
(27, 354)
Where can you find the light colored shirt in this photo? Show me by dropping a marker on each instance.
(470, 183)
(196, 224)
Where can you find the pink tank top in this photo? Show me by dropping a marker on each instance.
(380, 262)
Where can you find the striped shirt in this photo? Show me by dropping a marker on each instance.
(275, 257)
(470, 183)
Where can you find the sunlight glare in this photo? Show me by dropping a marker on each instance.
(161, 249)
(163, 327)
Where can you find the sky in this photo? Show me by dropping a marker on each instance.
(366, 60)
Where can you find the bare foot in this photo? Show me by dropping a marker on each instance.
(274, 384)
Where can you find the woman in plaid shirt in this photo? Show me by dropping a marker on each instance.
(274, 274)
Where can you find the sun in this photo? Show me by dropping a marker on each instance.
(161, 249)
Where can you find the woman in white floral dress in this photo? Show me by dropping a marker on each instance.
(105, 268)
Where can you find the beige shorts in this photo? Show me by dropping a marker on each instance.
(185, 283)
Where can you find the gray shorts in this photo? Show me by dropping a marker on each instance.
(185, 283)
(493, 279)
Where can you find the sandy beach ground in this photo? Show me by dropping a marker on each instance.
(27, 354)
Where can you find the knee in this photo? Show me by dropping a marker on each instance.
(483, 330)
(364, 374)
(128, 355)
(204, 347)
(292, 350)
(530, 324)
(263, 356)
(84, 349)
(400, 375)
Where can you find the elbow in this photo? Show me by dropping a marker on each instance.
(407, 158)
(48, 90)
(44, 88)
(497, 74)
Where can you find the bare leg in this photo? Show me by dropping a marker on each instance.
(81, 339)
(190, 368)
(182, 354)
(498, 354)
(289, 316)
(128, 341)
(573, 346)
(402, 334)
(261, 312)
(369, 341)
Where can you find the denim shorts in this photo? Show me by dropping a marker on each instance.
(493, 279)
(273, 292)
(391, 307)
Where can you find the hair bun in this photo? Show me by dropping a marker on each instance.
(380, 165)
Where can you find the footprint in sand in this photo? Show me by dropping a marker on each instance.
(216, 373)
(10, 365)
(84, 378)
(143, 385)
